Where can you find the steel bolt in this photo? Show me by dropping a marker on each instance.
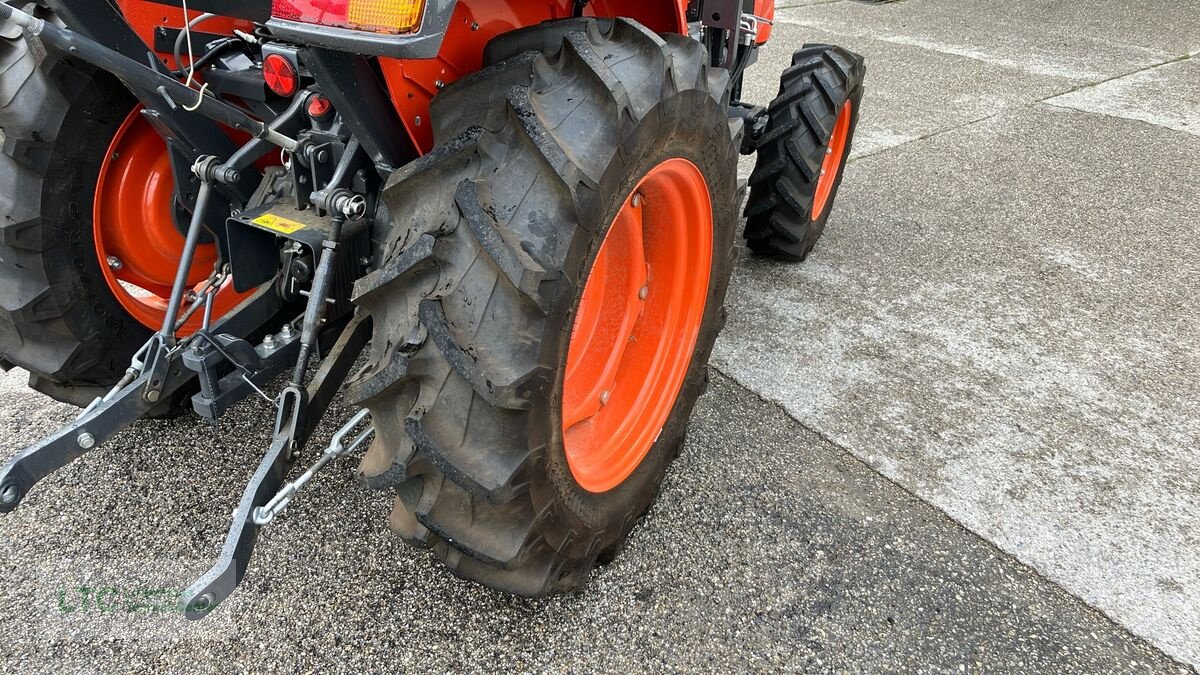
(829, 151)
(114, 263)
(153, 396)
(644, 292)
(190, 296)
(822, 172)
(86, 441)
(637, 200)
(439, 84)
(269, 342)
(604, 396)
(417, 120)
(474, 26)
(286, 331)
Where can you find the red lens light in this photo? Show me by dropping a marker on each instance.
(311, 11)
(281, 75)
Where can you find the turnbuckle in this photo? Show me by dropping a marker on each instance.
(263, 515)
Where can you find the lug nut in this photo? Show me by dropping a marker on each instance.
(269, 342)
(86, 441)
(114, 263)
(286, 331)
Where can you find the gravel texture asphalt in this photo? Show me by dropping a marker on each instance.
(960, 437)
(769, 549)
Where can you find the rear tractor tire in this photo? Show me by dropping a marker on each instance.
(803, 151)
(89, 238)
(549, 298)
(58, 318)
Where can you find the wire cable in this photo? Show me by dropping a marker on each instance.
(186, 35)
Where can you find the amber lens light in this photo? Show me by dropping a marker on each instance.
(376, 16)
(387, 16)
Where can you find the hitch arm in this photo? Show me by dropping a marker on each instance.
(161, 375)
(291, 434)
(95, 426)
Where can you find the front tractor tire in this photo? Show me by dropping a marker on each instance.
(803, 152)
(548, 299)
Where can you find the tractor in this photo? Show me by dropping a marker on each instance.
(500, 230)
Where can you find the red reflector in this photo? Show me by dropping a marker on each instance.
(281, 75)
(319, 107)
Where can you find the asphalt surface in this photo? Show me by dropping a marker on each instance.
(961, 437)
(769, 549)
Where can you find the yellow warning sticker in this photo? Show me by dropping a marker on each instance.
(278, 223)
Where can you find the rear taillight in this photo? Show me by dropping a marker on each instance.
(377, 16)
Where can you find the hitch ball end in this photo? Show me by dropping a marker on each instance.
(198, 607)
(10, 494)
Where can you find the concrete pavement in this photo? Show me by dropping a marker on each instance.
(1003, 315)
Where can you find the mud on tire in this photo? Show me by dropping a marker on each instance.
(472, 308)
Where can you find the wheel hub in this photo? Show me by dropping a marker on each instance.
(133, 222)
(637, 325)
(831, 167)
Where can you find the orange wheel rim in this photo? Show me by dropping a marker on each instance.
(831, 168)
(133, 224)
(637, 324)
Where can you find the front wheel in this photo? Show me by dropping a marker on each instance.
(803, 151)
(546, 310)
